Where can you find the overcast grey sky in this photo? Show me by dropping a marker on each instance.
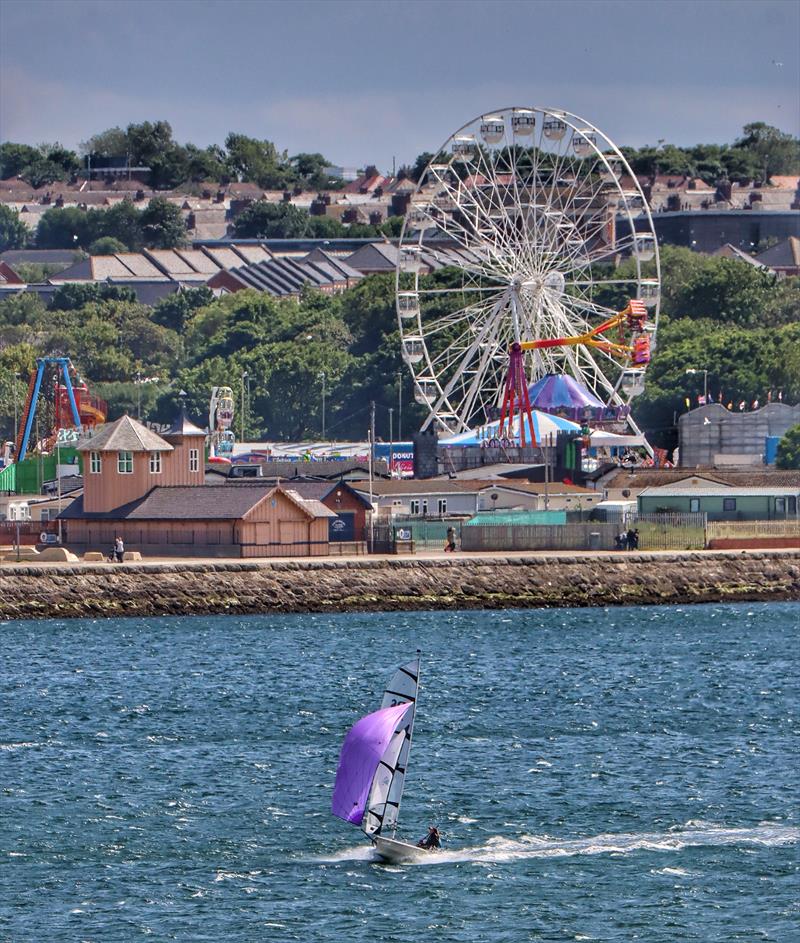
(364, 81)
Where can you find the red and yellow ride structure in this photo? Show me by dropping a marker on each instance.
(631, 345)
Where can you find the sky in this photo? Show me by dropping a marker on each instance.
(365, 81)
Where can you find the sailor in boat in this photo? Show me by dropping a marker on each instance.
(432, 841)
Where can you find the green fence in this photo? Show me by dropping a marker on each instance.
(31, 473)
(428, 534)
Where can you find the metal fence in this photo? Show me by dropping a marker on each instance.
(744, 529)
(672, 531)
(539, 537)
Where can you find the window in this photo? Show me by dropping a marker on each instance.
(125, 463)
(424, 505)
(414, 506)
(46, 514)
(95, 463)
(780, 505)
(155, 463)
(729, 504)
(694, 504)
(194, 460)
(442, 506)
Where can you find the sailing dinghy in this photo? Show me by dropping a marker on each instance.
(372, 767)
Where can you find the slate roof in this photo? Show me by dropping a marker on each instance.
(283, 276)
(196, 503)
(311, 506)
(319, 256)
(182, 425)
(39, 256)
(785, 254)
(411, 487)
(124, 435)
(319, 490)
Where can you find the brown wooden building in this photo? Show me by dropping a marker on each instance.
(149, 490)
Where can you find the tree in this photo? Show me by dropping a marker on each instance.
(121, 221)
(205, 164)
(775, 151)
(257, 162)
(789, 449)
(175, 310)
(73, 296)
(13, 232)
(107, 245)
(262, 220)
(64, 228)
(14, 158)
(110, 143)
(162, 225)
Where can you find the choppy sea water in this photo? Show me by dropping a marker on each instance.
(618, 774)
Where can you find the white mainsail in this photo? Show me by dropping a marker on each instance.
(383, 805)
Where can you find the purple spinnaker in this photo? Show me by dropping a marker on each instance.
(363, 747)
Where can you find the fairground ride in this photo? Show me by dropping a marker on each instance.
(73, 405)
(533, 209)
(220, 420)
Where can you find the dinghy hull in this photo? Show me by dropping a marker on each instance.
(398, 851)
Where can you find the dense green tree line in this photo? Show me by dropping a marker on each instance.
(151, 144)
(160, 225)
(720, 315)
(761, 152)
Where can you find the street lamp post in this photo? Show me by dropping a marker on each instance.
(14, 378)
(399, 407)
(138, 395)
(322, 376)
(705, 382)
(391, 438)
(241, 423)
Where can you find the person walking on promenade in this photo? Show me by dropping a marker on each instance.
(450, 546)
(119, 549)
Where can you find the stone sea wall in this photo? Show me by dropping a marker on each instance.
(363, 584)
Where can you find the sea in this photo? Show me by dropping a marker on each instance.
(598, 774)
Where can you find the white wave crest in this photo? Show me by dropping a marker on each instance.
(499, 849)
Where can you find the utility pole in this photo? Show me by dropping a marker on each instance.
(371, 462)
(139, 395)
(323, 404)
(241, 422)
(58, 482)
(399, 407)
(546, 472)
(391, 439)
(14, 378)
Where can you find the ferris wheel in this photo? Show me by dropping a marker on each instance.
(513, 237)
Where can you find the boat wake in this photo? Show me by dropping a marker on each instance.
(498, 850)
